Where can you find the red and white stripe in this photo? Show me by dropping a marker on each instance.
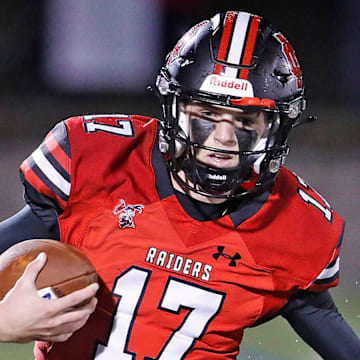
(48, 169)
(237, 43)
(52, 174)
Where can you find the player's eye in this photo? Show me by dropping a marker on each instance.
(208, 114)
(248, 121)
(244, 123)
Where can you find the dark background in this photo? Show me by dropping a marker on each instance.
(326, 38)
(325, 35)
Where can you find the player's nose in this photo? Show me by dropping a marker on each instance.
(225, 132)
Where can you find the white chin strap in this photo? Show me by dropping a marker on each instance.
(259, 146)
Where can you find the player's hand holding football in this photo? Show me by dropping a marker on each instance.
(25, 316)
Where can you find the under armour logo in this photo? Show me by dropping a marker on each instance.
(232, 259)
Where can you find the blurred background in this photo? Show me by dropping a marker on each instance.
(65, 58)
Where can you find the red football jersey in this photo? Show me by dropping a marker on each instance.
(173, 287)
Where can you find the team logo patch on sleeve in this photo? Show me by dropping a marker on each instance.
(126, 214)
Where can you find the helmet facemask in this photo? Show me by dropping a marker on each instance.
(217, 169)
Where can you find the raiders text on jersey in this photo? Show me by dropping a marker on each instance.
(178, 263)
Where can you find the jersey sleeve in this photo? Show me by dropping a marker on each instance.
(329, 276)
(333, 234)
(46, 173)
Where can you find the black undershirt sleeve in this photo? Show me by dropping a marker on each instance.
(316, 319)
(26, 225)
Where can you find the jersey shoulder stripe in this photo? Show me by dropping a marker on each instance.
(35, 189)
(59, 132)
(48, 168)
(60, 155)
(47, 173)
(54, 162)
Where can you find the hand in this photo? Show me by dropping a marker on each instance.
(25, 316)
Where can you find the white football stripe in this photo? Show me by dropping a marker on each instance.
(50, 172)
(237, 46)
(328, 273)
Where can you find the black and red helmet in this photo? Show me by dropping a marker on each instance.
(235, 59)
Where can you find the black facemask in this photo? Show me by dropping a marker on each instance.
(202, 128)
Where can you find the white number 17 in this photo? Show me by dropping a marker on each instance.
(203, 305)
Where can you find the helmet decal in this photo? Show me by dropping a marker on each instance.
(291, 58)
(243, 28)
(184, 40)
(227, 86)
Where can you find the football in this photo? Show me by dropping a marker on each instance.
(67, 268)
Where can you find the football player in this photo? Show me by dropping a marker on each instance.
(196, 228)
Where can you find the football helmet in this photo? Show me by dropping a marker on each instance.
(235, 60)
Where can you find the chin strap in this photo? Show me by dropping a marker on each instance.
(214, 180)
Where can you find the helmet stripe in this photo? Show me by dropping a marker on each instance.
(237, 43)
(225, 39)
(237, 46)
(250, 44)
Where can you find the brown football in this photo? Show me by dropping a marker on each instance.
(67, 268)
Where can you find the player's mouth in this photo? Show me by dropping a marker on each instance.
(220, 160)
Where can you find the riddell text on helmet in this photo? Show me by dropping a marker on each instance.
(227, 86)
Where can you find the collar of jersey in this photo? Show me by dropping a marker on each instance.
(238, 210)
